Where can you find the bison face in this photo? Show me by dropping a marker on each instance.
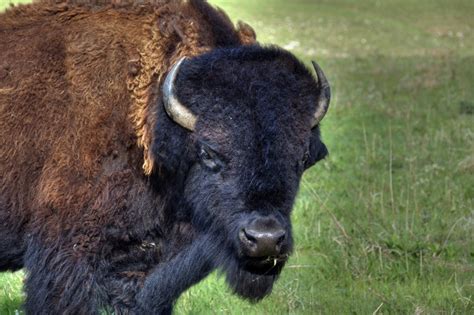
(250, 120)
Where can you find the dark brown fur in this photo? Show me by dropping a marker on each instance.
(76, 117)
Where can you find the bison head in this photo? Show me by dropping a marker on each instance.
(242, 126)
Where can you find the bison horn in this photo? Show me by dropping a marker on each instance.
(175, 110)
(324, 95)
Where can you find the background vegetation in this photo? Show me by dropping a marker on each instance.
(386, 223)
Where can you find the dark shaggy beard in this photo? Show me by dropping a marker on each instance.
(250, 284)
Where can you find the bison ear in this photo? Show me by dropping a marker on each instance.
(317, 149)
(246, 33)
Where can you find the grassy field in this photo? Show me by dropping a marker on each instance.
(386, 224)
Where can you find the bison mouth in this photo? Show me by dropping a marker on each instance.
(271, 265)
(253, 278)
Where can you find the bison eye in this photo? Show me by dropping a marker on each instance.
(209, 158)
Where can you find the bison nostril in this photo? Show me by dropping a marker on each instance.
(249, 236)
(280, 239)
(247, 239)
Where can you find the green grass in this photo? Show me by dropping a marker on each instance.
(386, 223)
(11, 295)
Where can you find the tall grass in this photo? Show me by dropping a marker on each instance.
(386, 223)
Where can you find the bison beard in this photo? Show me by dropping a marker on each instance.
(206, 253)
(168, 281)
(143, 146)
(251, 285)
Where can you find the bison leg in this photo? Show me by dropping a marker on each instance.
(57, 282)
(121, 290)
(168, 280)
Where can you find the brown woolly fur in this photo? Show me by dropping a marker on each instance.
(151, 35)
(78, 82)
(108, 203)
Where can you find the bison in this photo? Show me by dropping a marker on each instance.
(144, 145)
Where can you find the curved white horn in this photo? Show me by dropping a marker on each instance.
(324, 95)
(177, 111)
